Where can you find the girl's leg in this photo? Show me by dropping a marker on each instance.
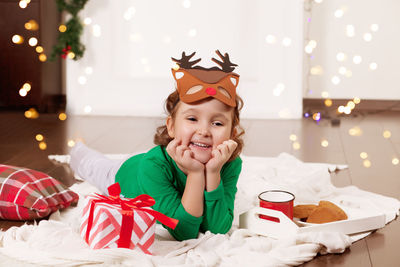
(94, 167)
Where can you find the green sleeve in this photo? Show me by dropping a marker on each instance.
(157, 180)
(219, 203)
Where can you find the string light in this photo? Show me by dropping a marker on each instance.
(39, 137)
(373, 66)
(339, 13)
(335, 80)
(39, 49)
(374, 27)
(324, 143)
(355, 131)
(22, 92)
(87, 21)
(325, 94)
(71, 55)
(88, 70)
(62, 116)
(62, 28)
(351, 104)
(292, 137)
(357, 100)
(316, 116)
(270, 39)
(387, 134)
(350, 31)
(367, 163)
(296, 145)
(96, 30)
(31, 25)
(33, 41)
(31, 114)
(395, 161)
(17, 39)
(367, 37)
(341, 56)
(328, 102)
(23, 3)
(129, 13)
(82, 80)
(87, 109)
(342, 70)
(42, 145)
(42, 57)
(316, 70)
(363, 155)
(71, 143)
(286, 41)
(357, 59)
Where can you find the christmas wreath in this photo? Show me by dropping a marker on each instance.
(69, 39)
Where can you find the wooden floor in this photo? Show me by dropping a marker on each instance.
(19, 147)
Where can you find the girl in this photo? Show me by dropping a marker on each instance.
(193, 172)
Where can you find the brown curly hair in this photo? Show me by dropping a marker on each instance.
(162, 138)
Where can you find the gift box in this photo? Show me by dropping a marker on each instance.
(112, 221)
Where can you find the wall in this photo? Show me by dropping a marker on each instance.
(375, 38)
(126, 67)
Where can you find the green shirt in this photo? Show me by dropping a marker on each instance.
(156, 174)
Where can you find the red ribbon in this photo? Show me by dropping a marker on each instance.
(141, 202)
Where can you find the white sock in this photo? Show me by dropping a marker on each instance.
(93, 166)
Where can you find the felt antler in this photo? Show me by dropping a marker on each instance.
(226, 64)
(184, 62)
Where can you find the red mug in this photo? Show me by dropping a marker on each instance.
(277, 200)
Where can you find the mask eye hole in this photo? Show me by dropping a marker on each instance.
(194, 89)
(234, 81)
(179, 75)
(224, 92)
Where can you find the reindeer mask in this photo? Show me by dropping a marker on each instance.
(195, 83)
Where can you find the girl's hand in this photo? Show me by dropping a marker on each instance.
(183, 157)
(220, 155)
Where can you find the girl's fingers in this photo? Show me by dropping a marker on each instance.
(180, 150)
(188, 154)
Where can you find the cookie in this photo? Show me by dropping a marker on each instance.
(326, 212)
(303, 211)
(341, 214)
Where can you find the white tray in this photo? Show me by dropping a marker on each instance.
(360, 220)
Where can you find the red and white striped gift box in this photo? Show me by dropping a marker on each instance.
(107, 222)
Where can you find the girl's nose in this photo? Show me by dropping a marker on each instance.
(203, 131)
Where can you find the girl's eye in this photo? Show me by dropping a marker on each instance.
(191, 119)
(217, 123)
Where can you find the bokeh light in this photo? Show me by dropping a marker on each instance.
(292, 137)
(62, 116)
(387, 134)
(17, 39)
(367, 163)
(42, 145)
(296, 145)
(39, 137)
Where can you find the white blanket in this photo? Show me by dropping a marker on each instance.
(56, 242)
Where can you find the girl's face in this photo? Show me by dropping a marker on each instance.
(201, 126)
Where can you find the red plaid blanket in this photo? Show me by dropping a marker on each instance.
(27, 194)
